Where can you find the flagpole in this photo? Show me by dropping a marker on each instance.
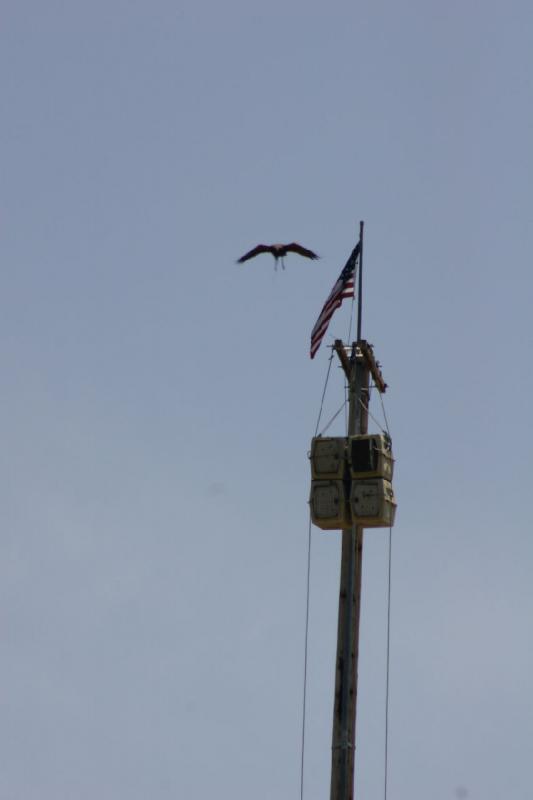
(360, 290)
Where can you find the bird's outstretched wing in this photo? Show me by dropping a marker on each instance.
(302, 251)
(261, 248)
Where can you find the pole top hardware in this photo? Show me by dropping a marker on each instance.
(360, 351)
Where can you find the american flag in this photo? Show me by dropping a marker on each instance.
(344, 287)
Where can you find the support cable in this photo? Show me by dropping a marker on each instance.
(387, 680)
(324, 392)
(385, 430)
(372, 417)
(306, 642)
(306, 638)
(332, 420)
(384, 413)
(346, 404)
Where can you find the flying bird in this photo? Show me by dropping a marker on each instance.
(279, 251)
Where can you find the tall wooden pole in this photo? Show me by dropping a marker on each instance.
(345, 705)
(344, 712)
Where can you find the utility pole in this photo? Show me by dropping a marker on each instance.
(357, 367)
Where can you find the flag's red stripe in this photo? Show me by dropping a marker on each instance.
(326, 314)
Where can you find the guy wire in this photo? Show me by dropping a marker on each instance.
(387, 681)
(306, 638)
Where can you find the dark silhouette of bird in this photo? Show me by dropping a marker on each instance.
(279, 251)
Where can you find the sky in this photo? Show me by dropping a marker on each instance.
(158, 400)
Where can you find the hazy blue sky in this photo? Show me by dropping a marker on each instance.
(157, 400)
